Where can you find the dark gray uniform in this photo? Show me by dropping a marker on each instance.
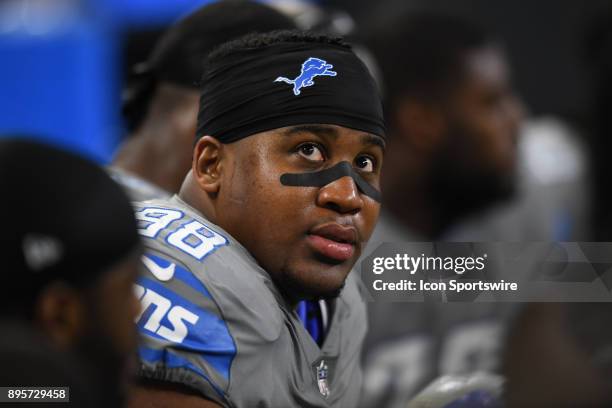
(214, 321)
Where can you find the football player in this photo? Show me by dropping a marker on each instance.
(454, 118)
(247, 300)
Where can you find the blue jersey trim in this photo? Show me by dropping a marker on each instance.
(171, 360)
(209, 337)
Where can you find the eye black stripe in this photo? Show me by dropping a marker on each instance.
(326, 176)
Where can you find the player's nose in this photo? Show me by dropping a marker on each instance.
(341, 195)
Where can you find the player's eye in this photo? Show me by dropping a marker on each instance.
(311, 151)
(365, 164)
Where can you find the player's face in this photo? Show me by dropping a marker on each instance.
(484, 117)
(307, 238)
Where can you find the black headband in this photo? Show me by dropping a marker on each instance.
(288, 84)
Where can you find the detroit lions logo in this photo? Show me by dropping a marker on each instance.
(311, 68)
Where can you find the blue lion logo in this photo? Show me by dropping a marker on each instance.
(311, 68)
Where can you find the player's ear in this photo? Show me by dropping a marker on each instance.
(420, 123)
(60, 312)
(207, 163)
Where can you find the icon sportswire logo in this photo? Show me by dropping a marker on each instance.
(163, 274)
(311, 68)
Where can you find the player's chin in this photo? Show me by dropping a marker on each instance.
(316, 281)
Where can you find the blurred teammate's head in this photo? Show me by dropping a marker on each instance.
(452, 115)
(162, 100)
(70, 253)
(289, 156)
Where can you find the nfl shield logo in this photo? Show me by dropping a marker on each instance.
(322, 375)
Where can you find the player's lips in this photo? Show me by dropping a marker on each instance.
(333, 241)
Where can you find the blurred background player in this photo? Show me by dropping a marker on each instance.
(228, 261)
(161, 101)
(453, 121)
(560, 354)
(70, 257)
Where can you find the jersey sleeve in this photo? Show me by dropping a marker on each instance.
(184, 338)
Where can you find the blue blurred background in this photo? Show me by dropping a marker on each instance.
(63, 61)
(60, 73)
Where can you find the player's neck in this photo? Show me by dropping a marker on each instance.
(150, 160)
(191, 194)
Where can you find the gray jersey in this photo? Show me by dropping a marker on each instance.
(213, 320)
(137, 189)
